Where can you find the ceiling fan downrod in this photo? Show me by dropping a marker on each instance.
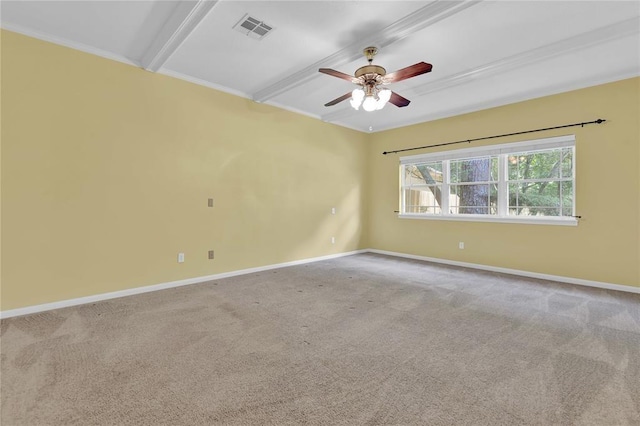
(372, 74)
(370, 52)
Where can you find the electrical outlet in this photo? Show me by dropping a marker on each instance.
(180, 257)
(333, 240)
(210, 254)
(333, 210)
(461, 245)
(210, 202)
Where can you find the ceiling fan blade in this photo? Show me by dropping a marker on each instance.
(335, 73)
(338, 100)
(408, 72)
(398, 100)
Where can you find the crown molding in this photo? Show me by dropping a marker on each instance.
(291, 109)
(339, 113)
(585, 40)
(201, 82)
(67, 43)
(225, 89)
(521, 97)
(186, 17)
(421, 18)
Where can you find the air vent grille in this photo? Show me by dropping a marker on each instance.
(253, 27)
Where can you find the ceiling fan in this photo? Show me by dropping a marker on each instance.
(371, 77)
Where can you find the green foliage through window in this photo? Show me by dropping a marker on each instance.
(541, 182)
(530, 183)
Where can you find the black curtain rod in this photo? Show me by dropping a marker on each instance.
(598, 121)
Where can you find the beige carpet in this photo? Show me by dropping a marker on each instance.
(360, 340)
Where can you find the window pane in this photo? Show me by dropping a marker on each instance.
(549, 197)
(546, 211)
(534, 199)
(567, 162)
(534, 165)
(481, 169)
(567, 198)
(423, 173)
(424, 200)
(472, 199)
(412, 176)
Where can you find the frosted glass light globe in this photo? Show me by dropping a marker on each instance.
(356, 98)
(357, 94)
(383, 97)
(369, 104)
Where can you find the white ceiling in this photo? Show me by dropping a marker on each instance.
(484, 53)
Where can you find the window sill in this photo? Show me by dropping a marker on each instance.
(495, 219)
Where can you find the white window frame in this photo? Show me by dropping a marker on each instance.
(501, 151)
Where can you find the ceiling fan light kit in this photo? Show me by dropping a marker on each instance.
(370, 102)
(371, 95)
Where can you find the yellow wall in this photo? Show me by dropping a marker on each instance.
(605, 246)
(107, 168)
(1, 170)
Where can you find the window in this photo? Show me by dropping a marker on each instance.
(540, 183)
(532, 182)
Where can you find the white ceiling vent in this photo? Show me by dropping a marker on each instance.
(253, 27)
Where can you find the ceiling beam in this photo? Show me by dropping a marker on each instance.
(582, 41)
(185, 18)
(421, 18)
(585, 40)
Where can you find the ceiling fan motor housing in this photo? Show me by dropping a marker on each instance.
(370, 69)
(370, 75)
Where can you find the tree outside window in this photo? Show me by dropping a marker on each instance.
(525, 183)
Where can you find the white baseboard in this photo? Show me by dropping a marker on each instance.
(569, 280)
(146, 289)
